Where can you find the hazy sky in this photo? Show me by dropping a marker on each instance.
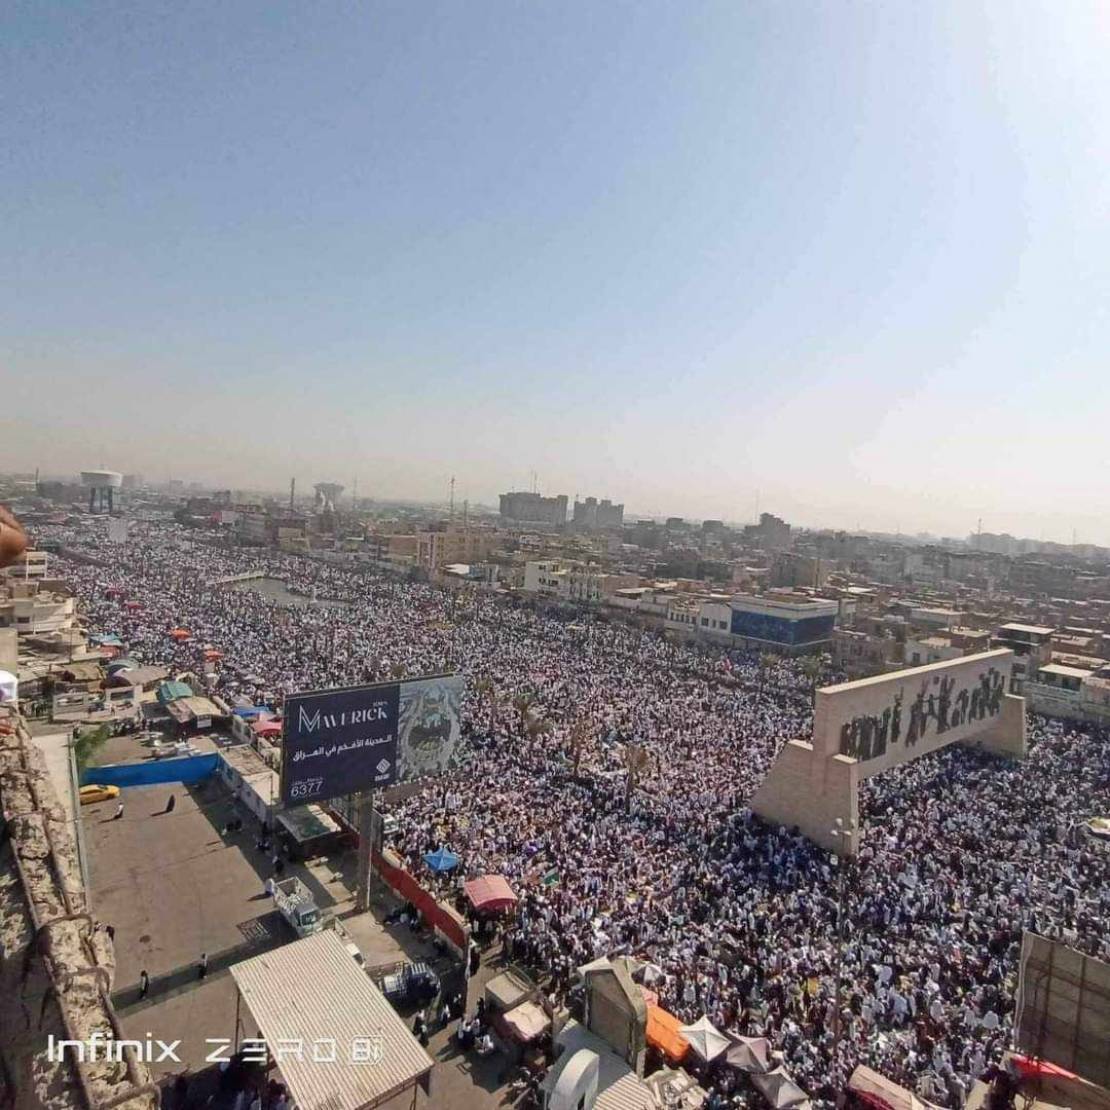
(853, 259)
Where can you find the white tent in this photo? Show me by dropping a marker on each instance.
(705, 1038)
(752, 1054)
(9, 687)
(780, 1090)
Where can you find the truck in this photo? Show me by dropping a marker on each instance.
(295, 902)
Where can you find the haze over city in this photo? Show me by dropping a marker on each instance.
(849, 260)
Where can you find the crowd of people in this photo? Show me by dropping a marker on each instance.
(606, 772)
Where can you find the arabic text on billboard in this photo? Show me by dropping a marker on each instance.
(344, 741)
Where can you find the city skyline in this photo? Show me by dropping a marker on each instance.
(850, 263)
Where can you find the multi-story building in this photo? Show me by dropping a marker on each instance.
(1032, 648)
(437, 549)
(782, 622)
(532, 508)
(32, 610)
(789, 568)
(771, 532)
(31, 565)
(591, 514)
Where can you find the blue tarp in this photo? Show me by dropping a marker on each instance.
(249, 711)
(190, 768)
(112, 639)
(442, 859)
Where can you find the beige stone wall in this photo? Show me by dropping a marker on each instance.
(885, 721)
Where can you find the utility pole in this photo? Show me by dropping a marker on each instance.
(292, 491)
(452, 513)
(365, 850)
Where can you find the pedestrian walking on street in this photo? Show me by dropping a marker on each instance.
(203, 967)
(119, 812)
(144, 983)
(170, 804)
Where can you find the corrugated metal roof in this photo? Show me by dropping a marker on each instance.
(312, 989)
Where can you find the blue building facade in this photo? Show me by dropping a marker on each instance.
(782, 630)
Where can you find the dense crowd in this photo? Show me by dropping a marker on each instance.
(959, 851)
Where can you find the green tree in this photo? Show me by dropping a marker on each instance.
(86, 746)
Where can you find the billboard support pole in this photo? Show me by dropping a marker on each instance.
(365, 856)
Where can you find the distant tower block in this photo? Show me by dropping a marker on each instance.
(101, 485)
(327, 493)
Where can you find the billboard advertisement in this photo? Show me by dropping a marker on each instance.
(364, 737)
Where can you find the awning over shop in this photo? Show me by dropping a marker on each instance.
(171, 691)
(343, 1008)
(490, 892)
(882, 1093)
(664, 1032)
(307, 823)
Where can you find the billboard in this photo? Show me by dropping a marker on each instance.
(1063, 1008)
(363, 737)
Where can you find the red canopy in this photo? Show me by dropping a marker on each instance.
(212, 653)
(267, 728)
(490, 892)
(180, 633)
(133, 604)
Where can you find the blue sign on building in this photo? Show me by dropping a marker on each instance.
(782, 630)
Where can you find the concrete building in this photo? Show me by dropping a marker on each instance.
(782, 623)
(771, 532)
(532, 508)
(33, 610)
(791, 569)
(1032, 648)
(1073, 693)
(861, 654)
(463, 545)
(593, 514)
(30, 565)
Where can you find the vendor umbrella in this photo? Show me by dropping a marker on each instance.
(442, 859)
(780, 1090)
(705, 1038)
(752, 1054)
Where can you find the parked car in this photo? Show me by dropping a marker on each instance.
(92, 793)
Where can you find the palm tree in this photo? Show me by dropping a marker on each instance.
(522, 703)
(766, 662)
(813, 666)
(577, 741)
(486, 690)
(636, 761)
(537, 726)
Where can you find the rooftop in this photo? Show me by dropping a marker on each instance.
(343, 1006)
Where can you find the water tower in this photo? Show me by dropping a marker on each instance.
(101, 485)
(327, 493)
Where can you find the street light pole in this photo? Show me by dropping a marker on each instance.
(845, 836)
